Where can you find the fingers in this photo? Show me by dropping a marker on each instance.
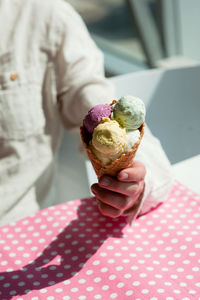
(113, 204)
(112, 184)
(108, 210)
(116, 200)
(116, 196)
(135, 173)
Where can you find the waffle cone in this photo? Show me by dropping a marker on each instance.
(124, 161)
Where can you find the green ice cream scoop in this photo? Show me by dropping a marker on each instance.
(129, 112)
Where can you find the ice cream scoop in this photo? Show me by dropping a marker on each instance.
(130, 112)
(95, 115)
(108, 137)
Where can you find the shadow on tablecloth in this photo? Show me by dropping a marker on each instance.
(74, 250)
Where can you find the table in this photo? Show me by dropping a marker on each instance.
(71, 251)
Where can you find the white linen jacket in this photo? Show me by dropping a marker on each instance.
(51, 70)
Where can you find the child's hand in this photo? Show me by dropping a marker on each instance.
(119, 196)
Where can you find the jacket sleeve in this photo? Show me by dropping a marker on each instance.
(79, 68)
(158, 179)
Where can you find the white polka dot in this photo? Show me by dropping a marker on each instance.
(26, 255)
(143, 275)
(189, 276)
(52, 267)
(171, 262)
(179, 233)
(131, 242)
(129, 293)
(97, 279)
(9, 236)
(35, 234)
(113, 295)
(9, 270)
(120, 284)
(74, 290)
(34, 248)
(96, 262)
(145, 291)
(111, 261)
(180, 270)
(150, 268)
(74, 258)
(43, 291)
(118, 254)
(183, 284)
(112, 277)
(88, 241)
(81, 249)
(151, 282)
(13, 292)
(126, 261)
(97, 296)
(7, 248)
(82, 281)
(103, 270)
(43, 226)
(177, 291)
(136, 283)
(160, 291)
(119, 268)
(49, 232)
(127, 275)
(183, 247)
(6, 284)
(90, 288)
(167, 283)
(105, 287)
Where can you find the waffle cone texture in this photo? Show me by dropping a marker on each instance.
(122, 162)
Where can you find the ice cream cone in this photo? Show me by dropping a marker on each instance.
(124, 161)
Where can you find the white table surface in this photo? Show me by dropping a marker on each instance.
(187, 172)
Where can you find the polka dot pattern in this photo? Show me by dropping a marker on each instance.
(71, 251)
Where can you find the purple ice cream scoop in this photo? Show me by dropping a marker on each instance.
(95, 114)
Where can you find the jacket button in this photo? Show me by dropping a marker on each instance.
(13, 76)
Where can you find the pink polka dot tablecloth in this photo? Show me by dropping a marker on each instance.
(71, 251)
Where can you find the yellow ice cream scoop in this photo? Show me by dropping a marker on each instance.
(108, 137)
